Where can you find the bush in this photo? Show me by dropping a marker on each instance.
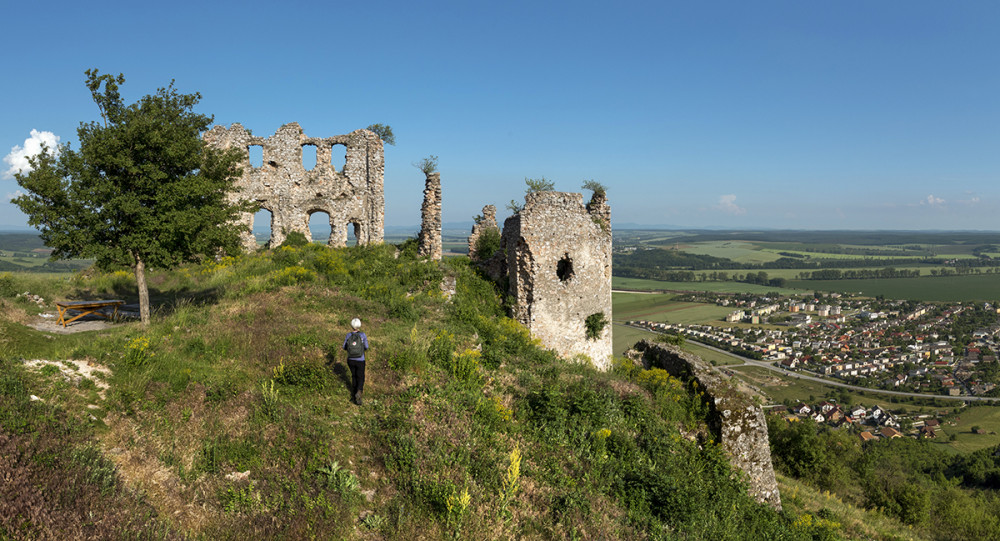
(8, 288)
(595, 324)
(487, 244)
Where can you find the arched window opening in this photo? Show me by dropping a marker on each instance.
(263, 221)
(338, 157)
(319, 227)
(256, 155)
(353, 232)
(564, 269)
(308, 157)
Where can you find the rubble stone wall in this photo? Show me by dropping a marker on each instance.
(352, 197)
(429, 243)
(558, 265)
(736, 420)
(488, 221)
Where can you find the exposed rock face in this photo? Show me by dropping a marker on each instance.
(736, 420)
(429, 243)
(488, 221)
(352, 197)
(558, 264)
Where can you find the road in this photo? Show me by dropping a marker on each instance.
(826, 381)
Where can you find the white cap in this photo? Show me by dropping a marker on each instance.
(356, 323)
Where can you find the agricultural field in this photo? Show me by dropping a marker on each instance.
(985, 287)
(985, 417)
(655, 307)
(740, 251)
(642, 284)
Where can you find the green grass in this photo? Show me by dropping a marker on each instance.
(985, 417)
(241, 370)
(625, 337)
(653, 307)
(952, 288)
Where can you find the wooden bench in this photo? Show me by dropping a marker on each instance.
(86, 308)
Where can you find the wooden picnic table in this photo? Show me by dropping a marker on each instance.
(86, 308)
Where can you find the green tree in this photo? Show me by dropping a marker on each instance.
(384, 132)
(144, 190)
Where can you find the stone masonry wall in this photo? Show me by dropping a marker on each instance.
(558, 264)
(736, 420)
(488, 221)
(352, 197)
(430, 227)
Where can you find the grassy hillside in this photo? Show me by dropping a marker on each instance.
(229, 418)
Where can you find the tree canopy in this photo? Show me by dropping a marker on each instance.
(143, 189)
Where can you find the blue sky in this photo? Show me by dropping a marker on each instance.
(767, 114)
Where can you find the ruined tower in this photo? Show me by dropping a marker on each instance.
(488, 220)
(352, 196)
(558, 263)
(429, 243)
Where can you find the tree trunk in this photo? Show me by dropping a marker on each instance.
(140, 281)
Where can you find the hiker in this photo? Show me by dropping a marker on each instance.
(355, 344)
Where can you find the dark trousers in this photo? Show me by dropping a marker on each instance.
(357, 376)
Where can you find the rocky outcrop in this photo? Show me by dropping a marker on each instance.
(736, 419)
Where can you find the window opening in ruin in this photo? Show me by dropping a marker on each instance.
(338, 157)
(353, 232)
(308, 157)
(319, 227)
(564, 269)
(256, 155)
(263, 221)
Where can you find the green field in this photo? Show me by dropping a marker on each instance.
(618, 282)
(656, 307)
(626, 337)
(952, 288)
(738, 250)
(985, 417)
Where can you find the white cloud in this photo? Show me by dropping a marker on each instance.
(11, 196)
(17, 160)
(727, 204)
(932, 201)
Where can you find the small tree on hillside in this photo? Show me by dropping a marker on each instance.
(144, 190)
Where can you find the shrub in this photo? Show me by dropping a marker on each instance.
(595, 324)
(294, 239)
(8, 288)
(487, 244)
(305, 373)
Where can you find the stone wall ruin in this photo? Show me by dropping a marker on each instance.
(429, 241)
(736, 420)
(352, 196)
(558, 264)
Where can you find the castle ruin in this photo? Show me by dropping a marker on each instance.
(429, 241)
(558, 265)
(352, 196)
